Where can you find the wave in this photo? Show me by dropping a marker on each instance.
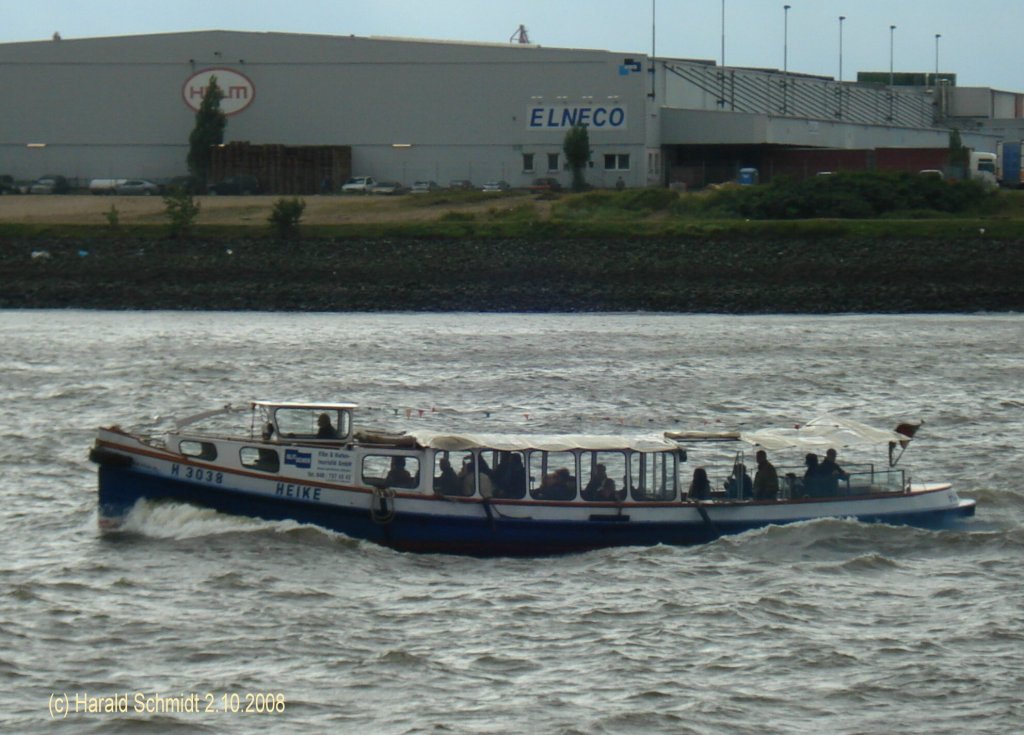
(873, 545)
(180, 521)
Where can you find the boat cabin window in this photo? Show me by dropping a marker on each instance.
(259, 458)
(552, 475)
(603, 476)
(455, 474)
(313, 423)
(389, 470)
(199, 450)
(653, 476)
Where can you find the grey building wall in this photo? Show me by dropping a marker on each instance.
(410, 110)
(109, 107)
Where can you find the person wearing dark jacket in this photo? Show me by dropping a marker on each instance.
(766, 479)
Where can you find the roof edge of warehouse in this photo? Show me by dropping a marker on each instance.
(337, 36)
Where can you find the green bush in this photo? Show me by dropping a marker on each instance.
(113, 217)
(654, 199)
(284, 218)
(452, 216)
(181, 210)
(850, 195)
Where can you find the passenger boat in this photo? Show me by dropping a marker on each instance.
(499, 494)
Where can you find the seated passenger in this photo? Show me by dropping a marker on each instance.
(700, 486)
(559, 485)
(325, 429)
(447, 483)
(398, 476)
(268, 431)
(509, 477)
(607, 491)
(739, 485)
(593, 488)
(467, 479)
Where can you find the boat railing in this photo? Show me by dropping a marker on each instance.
(857, 479)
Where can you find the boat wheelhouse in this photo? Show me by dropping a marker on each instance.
(485, 494)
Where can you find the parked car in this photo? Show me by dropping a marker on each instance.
(49, 185)
(187, 184)
(7, 185)
(495, 186)
(424, 187)
(461, 185)
(545, 184)
(387, 187)
(239, 184)
(139, 187)
(358, 185)
(105, 186)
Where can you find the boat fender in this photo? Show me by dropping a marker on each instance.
(707, 518)
(489, 512)
(107, 458)
(382, 505)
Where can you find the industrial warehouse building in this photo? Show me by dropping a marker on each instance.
(423, 110)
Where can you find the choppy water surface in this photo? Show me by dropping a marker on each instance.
(825, 627)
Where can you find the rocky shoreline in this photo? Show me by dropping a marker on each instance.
(730, 274)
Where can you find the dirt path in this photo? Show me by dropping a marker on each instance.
(249, 210)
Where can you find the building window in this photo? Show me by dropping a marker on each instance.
(654, 162)
(528, 163)
(552, 162)
(616, 162)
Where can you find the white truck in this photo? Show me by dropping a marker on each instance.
(982, 167)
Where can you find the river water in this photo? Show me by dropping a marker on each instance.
(823, 627)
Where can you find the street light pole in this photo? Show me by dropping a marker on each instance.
(785, 59)
(839, 90)
(892, 33)
(892, 95)
(841, 19)
(785, 38)
(723, 34)
(654, 34)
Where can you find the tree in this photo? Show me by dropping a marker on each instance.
(181, 210)
(577, 154)
(208, 132)
(285, 217)
(959, 154)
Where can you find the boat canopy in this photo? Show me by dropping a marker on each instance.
(815, 436)
(543, 442)
(824, 432)
(311, 406)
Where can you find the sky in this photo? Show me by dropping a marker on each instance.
(981, 40)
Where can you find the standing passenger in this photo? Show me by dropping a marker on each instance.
(831, 473)
(812, 477)
(766, 479)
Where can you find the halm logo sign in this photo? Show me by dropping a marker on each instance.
(237, 88)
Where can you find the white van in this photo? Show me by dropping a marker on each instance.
(105, 186)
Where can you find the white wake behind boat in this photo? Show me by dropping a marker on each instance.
(502, 494)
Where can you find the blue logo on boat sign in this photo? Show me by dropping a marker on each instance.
(302, 460)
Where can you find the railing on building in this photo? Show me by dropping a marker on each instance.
(796, 96)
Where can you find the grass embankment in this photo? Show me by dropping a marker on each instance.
(599, 251)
